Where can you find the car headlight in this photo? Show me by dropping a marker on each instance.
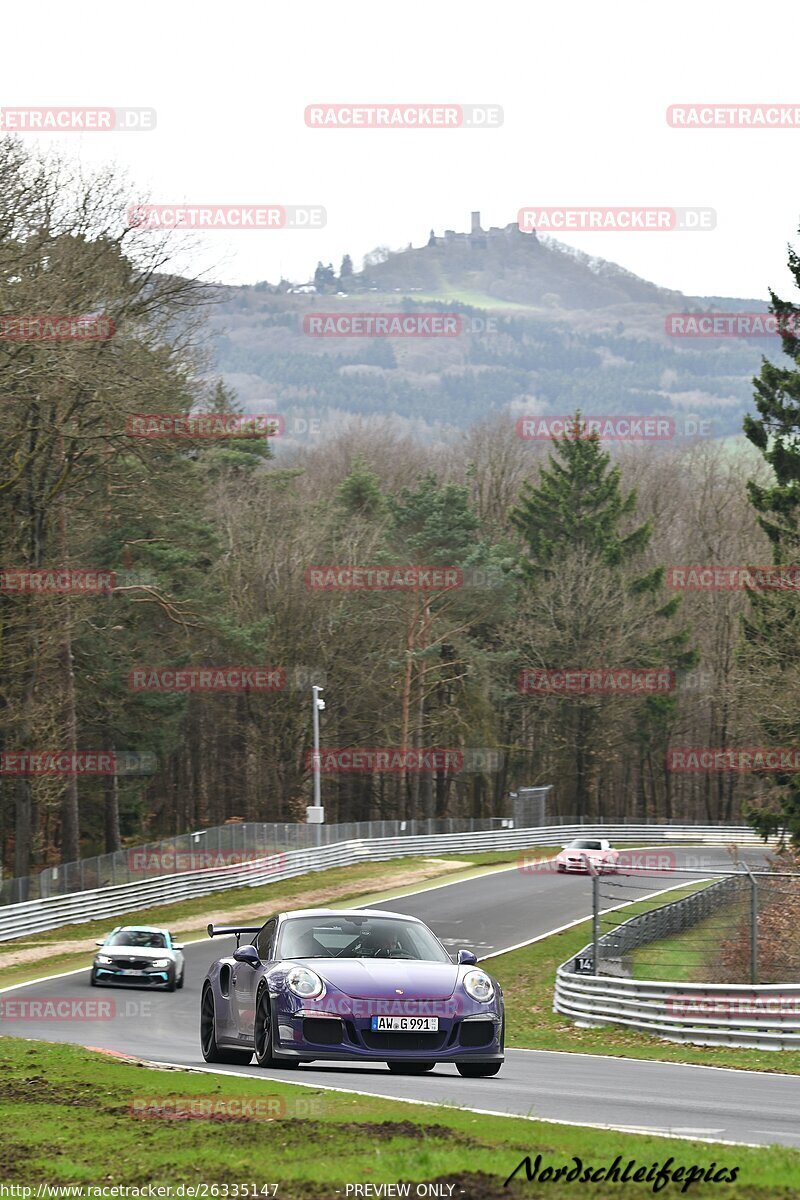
(103, 958)
(159, 962)
(304, 983)
(478, 985)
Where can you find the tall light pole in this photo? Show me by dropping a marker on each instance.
(315, 814)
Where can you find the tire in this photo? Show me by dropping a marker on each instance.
(410, 1068)
(478, 1070)
(170, 985)
(179, 984)
(262, 1030)
(561, 868)
(262, 1037)
(208, 1037)
(92, 979)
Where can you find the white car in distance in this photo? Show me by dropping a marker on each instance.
(577, 856)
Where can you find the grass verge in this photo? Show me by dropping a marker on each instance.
(691, 956)
(69, 1117)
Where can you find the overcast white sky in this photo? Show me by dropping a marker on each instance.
(584, 88)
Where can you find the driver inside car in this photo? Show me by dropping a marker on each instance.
(379, 943)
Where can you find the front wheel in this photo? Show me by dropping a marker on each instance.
(208, 1037)
(410, 1068)
(262, 1031)
(179, 984)
(92, 979)
(478, 1070)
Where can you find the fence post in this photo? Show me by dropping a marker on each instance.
(753, 926)
(595, 917)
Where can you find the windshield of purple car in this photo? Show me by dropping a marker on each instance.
(145, 939)
(579, 845)
(345, 937)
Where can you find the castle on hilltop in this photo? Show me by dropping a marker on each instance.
(477, 238)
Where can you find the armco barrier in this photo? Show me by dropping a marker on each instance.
(218, 845)
(35, 916)
(668, 919)
(241, 841)
(763, 1016)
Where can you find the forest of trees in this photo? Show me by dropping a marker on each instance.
(564, 551)
(589, 363)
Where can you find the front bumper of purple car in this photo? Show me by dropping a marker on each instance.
(342, 1027)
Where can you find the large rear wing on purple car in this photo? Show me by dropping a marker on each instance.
(227, 930)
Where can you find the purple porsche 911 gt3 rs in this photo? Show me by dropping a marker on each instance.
(358, 985)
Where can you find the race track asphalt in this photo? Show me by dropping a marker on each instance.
(488, 914)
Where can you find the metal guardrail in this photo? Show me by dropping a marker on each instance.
(218, 845)
(221, 845)
(36, 916)
(751, 1016)
(765, 1017)
(667, 919)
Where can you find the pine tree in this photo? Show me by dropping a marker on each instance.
(360, 492)
(771, 652)
(577, 503)
(588, 599)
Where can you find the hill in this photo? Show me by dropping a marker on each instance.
(545, 329)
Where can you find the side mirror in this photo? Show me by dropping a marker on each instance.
(466, 958)
(177, 945)
(247, 954)
(102, 942)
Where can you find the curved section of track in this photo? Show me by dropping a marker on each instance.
(489, 913)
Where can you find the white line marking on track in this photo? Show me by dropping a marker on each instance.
(484, 1112)
(667, 1062)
